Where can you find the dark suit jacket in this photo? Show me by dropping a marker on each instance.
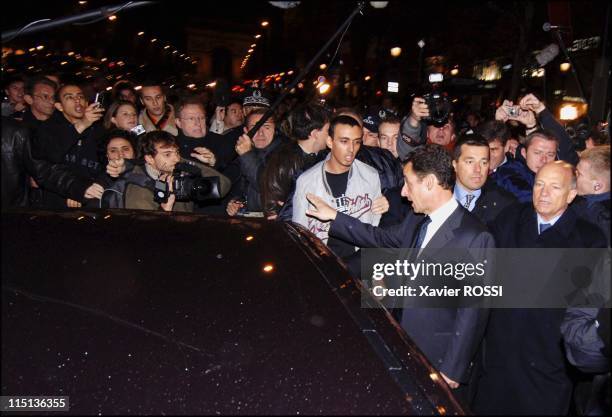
(525, 366)
(493, 199)
(449, 337)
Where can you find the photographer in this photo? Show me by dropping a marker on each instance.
(153, 185)
(425, 125)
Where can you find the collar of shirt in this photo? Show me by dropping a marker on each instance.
(503, 162)
(551, 221)
(438, 217)
(596, 198)
(152, 172)
(461, 192)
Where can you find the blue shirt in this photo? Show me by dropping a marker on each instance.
(551, 221)
(460, 194)
(596, 198)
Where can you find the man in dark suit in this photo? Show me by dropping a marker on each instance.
(449, 337)
(473, 190)
(525, 368)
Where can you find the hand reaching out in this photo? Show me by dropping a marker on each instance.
(321, 210)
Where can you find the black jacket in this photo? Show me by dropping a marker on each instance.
(449, 337)
(493, 199)
(525, 366)
(594, 208)
(251, 166)
(17, 164)
(222, 146)
(58, 142)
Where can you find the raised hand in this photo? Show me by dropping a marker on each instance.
(204, 155)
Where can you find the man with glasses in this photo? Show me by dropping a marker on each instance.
(70, 136)
(195, 142)
(40, 97)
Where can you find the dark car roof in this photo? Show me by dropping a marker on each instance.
(138, 312)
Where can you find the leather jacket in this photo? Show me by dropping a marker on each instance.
(17, 164)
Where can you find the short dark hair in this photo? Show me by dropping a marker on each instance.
(188, 101)
(153, 138)
(12, 79)
(342, 120)
(468, 140)
(390, 119)
(58, 92)
(541, 133)
(151, 83)
(34, 81)
(493, 130)
(233, 100)
(307, 118)
(119, 133)
(433, 159)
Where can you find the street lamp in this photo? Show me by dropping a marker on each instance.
(264, 23)
(396, 51)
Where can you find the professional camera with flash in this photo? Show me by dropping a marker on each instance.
(188, 185)
(439, 105)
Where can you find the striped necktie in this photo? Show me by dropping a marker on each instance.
(468, 200)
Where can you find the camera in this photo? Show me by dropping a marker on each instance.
(138, 130)
(188, 185)
(579, 135)
(513, 111)
(440, 108)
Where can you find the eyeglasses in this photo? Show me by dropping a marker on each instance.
(194, 119)
(44, 97)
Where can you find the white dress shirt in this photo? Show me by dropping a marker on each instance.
(438, 217)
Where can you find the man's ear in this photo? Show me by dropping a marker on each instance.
(28, 99)
(149, 160)
(597, 185)
(524, 152)
(179, 124)
(572, 194)
(430, 181)
(59, 107)
(455, 165)
(313, 133)
(329, 141)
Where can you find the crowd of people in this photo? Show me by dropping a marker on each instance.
(356, 179)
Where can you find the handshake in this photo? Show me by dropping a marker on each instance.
(524, 112)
